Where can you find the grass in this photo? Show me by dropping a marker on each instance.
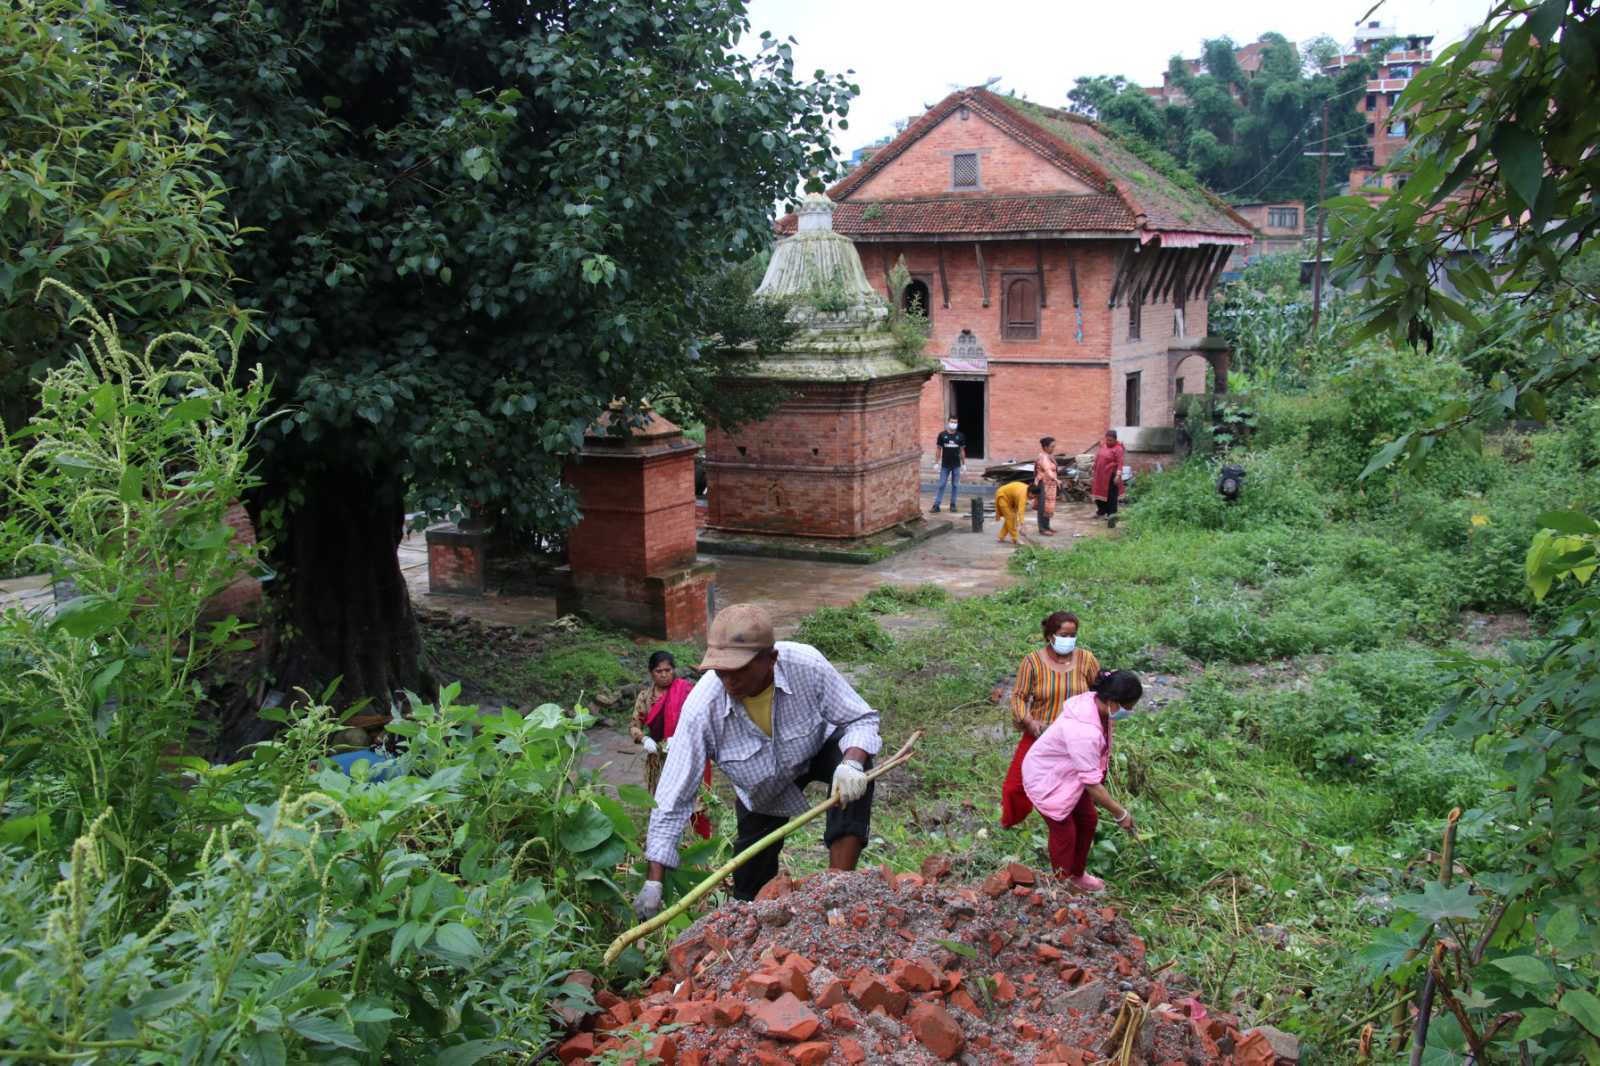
(1276, 804)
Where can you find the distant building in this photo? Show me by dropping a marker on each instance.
(1279, 228)
(1387, 135)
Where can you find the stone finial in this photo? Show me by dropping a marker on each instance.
(815, 213)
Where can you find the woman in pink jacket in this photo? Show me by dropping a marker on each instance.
(1064, 774)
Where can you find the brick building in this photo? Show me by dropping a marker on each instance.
(1279, 228)
(1066, 280)
(1399, 57)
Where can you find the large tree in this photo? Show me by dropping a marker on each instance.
(1243, 135)
(107, 184)
(481, 221)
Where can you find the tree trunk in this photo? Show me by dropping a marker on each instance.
(340, 603)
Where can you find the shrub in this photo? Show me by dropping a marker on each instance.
(1278, 493)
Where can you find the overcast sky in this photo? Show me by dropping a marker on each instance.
(909, 55)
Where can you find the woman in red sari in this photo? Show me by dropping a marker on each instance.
(1107, 480)
(1046, 679)
(655, 719)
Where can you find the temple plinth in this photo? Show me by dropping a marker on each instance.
(631, 559)
(840, 457)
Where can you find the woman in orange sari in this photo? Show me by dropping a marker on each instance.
(1047, 478)
(1046, 679)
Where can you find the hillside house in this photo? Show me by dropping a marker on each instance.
(1066, 280)
(1278, 228)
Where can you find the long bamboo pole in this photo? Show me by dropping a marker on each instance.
(695, 894)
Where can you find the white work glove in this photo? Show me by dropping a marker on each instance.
(651, 746)
(647, 904)
(849, 781)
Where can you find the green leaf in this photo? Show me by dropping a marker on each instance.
(457, 939)
(1521, 160)
(190, 410)
(956, 947)
(1563, 927)
(325, 1031)
(588, 828)
(1436, 902)
(1385, 456)
(88, 616)
(130, 487)
(1574, 522)
(1583, 1006)
(470, 1052)
(1388, 950)
(1526, 969)
(1535, 1021)
(636, 796)
(25, 828)
(263, 1049)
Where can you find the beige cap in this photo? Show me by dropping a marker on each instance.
(737, 633)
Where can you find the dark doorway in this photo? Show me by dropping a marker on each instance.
(1130, 403)
(917, 298)
(967, 401)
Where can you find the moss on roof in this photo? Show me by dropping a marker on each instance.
(1168, 194)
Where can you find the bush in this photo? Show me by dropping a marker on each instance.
(437, 912)
(1278, 494)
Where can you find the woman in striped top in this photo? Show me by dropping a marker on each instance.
(1046, 679)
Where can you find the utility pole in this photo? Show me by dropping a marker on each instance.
(1322, 198)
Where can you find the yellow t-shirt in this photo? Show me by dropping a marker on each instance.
(759, 708)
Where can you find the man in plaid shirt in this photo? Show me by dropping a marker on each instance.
(774, 716)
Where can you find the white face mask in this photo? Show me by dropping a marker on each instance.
(951, 426)
(1063, 645)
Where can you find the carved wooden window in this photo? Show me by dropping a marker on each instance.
(964, 170)
(1019, 309)
(1135, 315)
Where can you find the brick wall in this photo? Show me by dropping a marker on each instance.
(832, 461)
(1148, 357)
(1004, 166)
(638, 509)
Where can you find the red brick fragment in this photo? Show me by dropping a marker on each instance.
(777, 888)
(1255, 1050)
(1020, 874)
(579, 1047)
(852, 1051)
(811, 1053)
(840, 1016)
(908, 882)
(785, 1018)
(665, 1050)
(1047, 952)
(936, 1030)
(997, 884)
(727, 1011)
(871, 991)
(959, 998)
(935, 867)
(832, 992)
(692, 1057)
(764, 986)
(1004, 990)
(914, 976)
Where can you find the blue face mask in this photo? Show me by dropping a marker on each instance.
(1063, 645)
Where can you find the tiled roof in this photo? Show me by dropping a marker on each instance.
(1148, 199)
(979, 214)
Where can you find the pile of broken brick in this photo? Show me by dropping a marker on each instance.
(909, 969)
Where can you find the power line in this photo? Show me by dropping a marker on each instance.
(1294, 142)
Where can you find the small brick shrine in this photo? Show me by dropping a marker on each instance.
(839, 458)
(631, 558)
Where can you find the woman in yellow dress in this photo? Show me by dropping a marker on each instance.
(1010, 504)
